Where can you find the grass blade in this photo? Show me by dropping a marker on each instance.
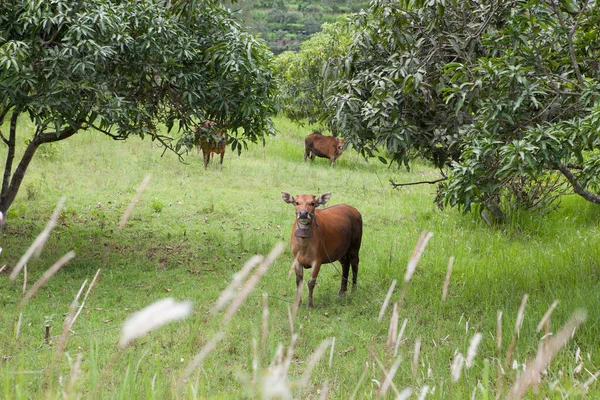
(134, 201)
(46, 276)
(153, 317)
(39, 242)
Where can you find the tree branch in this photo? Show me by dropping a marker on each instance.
(558, 14)
(397, 185)
(577, 188)
(3, 111)
(49, 137)
(11, 184)
(484, 25)
(52, 41)
(107, 133)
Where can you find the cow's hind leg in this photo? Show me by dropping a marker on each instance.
(345, 273)
(354, 262)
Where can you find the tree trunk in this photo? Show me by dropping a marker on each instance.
(9, 190)
(11, 184)
(10, 155)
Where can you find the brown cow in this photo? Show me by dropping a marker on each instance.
(317, 144)
(210, 140)
(322, 237)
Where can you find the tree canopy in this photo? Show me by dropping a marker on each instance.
(501, 96)
(123, 68)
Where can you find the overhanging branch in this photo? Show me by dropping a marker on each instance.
(577, 188)
(397, 185)
(163, 140)
(108, 133)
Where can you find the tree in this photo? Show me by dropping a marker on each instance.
(502, 96)
(123, 68)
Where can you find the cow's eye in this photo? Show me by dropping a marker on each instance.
(297, 203)
(312, 204)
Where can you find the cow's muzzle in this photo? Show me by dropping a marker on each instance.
(303, 214)
(303, 224)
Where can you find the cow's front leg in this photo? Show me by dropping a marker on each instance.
(312, 283)
(299, 278)
(206, 157)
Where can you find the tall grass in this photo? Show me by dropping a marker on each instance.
(192, 230)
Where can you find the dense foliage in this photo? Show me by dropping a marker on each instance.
(501, 96)
(123, 68)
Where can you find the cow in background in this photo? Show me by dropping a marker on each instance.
(323, 236)
(210, 139)
(317, 144)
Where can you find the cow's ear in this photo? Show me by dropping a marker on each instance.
(287, 198)
(323, 199)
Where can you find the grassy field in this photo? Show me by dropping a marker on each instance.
(193, 229)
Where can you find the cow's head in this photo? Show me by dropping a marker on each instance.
(305, 206)
(339, 147)
(221, 138)
(208, 124)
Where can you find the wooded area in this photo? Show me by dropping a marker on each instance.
(285, 24)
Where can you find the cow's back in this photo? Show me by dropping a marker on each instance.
(339, 228)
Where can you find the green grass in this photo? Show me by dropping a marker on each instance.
(193, 229)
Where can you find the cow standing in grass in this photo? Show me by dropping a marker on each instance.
(323, 236)
(317, 144)
(210, 140)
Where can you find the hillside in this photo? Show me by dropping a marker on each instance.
(285, 24)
